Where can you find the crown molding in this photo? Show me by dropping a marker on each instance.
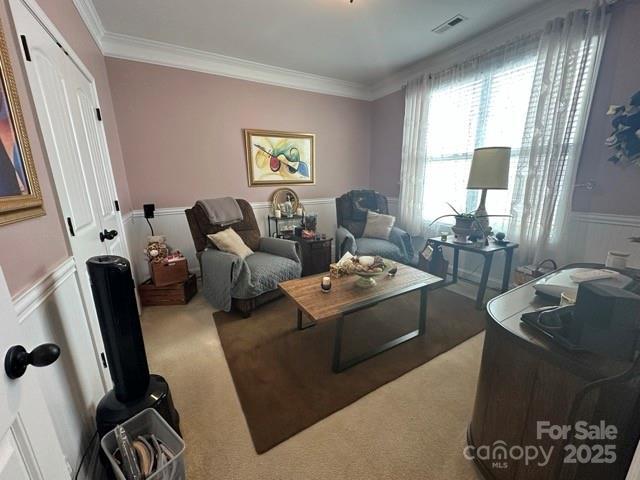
(91, 19)
(159, 53)
(138, 49)
(527, 22)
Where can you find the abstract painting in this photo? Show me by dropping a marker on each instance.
(20, 196)
(279, 158)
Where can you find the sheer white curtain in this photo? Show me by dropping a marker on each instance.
(413, 155)
(481, 102)
(567, 62)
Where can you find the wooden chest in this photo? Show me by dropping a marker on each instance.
(167, 273)
(175, 294)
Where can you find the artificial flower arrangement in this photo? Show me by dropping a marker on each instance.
(625, 139)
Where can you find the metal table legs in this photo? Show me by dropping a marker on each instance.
(340, 365)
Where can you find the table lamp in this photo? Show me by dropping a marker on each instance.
(489, 171)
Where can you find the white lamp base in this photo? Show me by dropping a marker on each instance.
(481, 212)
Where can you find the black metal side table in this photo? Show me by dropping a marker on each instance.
(487, 252)
(277, 223)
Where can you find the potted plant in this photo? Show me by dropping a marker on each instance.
(466, 224)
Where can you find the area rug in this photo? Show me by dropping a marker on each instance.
(283, 376)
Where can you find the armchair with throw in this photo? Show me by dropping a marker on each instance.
(242, 283)
(351, 211)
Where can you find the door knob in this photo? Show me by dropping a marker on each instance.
(18, 359)
(108, 235)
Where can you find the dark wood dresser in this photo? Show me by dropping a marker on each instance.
(525, 379)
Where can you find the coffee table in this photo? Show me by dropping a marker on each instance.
(346, 297)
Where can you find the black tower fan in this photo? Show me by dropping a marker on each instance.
(134, 388)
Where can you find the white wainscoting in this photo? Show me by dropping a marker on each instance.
(172, 223)
(589, 237)
(51, 311)
(592, 235)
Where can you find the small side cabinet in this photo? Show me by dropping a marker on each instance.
(316, 255)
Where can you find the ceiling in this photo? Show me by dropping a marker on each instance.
(362, 42)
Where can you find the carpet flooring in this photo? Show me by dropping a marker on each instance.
(412, 428)
(283, 376)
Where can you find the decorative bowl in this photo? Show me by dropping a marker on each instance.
(368, 279)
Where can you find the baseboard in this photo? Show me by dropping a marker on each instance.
(475, 277)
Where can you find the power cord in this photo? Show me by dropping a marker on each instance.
(84, 455)
(150, 226)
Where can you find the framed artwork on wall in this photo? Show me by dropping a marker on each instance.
(280, 158)
(20, 196)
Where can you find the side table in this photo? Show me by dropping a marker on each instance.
(316, 255)
(487, 252)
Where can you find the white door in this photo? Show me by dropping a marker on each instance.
(66, 104)
(29, 447)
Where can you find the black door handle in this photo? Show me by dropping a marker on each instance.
(108, 235)
(18, 359)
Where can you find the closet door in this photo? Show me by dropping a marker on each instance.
(64, 100)
(89, 139)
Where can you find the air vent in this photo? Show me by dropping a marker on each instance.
(452, 22)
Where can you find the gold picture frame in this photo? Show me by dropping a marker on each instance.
(280, 158)
(20, 195)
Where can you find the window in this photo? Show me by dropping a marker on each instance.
(485, 109)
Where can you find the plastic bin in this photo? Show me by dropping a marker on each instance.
(146, 422)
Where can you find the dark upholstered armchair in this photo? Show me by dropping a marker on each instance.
(253, 280)
(351, 211)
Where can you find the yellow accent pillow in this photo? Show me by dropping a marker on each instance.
(229, 241)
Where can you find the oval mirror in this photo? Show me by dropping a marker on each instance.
(285, 200)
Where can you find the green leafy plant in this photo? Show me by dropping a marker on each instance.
(467, 216)
(464, 215)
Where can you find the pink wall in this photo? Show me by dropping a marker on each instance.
(32, 248)
(29, 249)
(181, 133)
(387, 118)
(617, 189)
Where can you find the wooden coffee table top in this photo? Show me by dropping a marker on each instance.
(346, 296)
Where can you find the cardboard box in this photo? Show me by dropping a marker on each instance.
(169, 272)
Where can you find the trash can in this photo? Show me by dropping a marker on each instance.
(148, 422)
